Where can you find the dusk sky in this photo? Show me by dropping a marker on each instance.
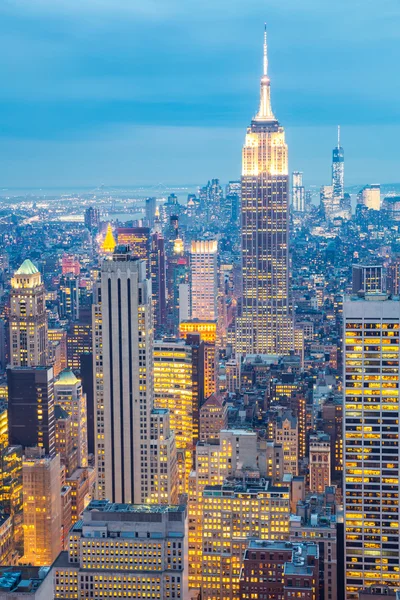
(141, 92)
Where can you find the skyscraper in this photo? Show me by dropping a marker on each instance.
(338, 169)
(204, 277)
(265, 324)
(31, 407)
(298, 192)
(124, 389)
(371, 442)
(28, 318)
(42, 507)
(124, 348)
(69, 395)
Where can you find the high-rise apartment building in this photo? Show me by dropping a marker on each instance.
(371, 360)
(124, 550)
(42, 507)
(28, 318)
(204, 279)
(69, 395)
(31, 408)
(265, 325)
(338, 169)
(298, 192)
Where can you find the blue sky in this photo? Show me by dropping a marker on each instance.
(148, 91)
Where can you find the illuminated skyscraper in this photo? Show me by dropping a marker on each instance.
(42, 507)
(69, 395)
(123, 365)
(265, 325)
(124, 388)
(371, 442)
(28, 318)
(338, 169)
(298, 192)
(31, 408)
(204, 274)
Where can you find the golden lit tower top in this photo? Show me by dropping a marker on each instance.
(109, 243)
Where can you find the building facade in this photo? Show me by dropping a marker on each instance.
(28, 318)
(122, 550)
(265, 324)
(371, 442)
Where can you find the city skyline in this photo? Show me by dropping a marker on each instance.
(87, 109)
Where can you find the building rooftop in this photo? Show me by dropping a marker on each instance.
(20, 580)
(27, 268)
(114, 507)
(67, 377)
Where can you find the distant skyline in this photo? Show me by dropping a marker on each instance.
(123, 92)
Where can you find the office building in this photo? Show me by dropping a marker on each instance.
(338, 170)
(204, 279)
(320, 462)
(158, 281)
(393, 276)
(92, 218)
(280, 570)
(28, 318)
(79, 342)
(286, 433)
(124, 550)
(70, 265)
(368, 279)
(178, 288)
(151, 207)
(265, 325)
(137, 239)
(233, 513)
(370, 196)
(178, 387)
(31, 408)
(298, 192)
(57, 349)
(371, 442)
(124, 386)
(65, 440)
(216, 460)
(207, 330)
(69, 395)
(123, 374)
(330, 204)
(213, 417)
(69, 297)
(42, 507)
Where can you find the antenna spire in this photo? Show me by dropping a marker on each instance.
(338, 136)
(265, 69)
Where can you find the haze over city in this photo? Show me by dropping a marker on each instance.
(130, 92)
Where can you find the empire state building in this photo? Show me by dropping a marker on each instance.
(265, 325)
